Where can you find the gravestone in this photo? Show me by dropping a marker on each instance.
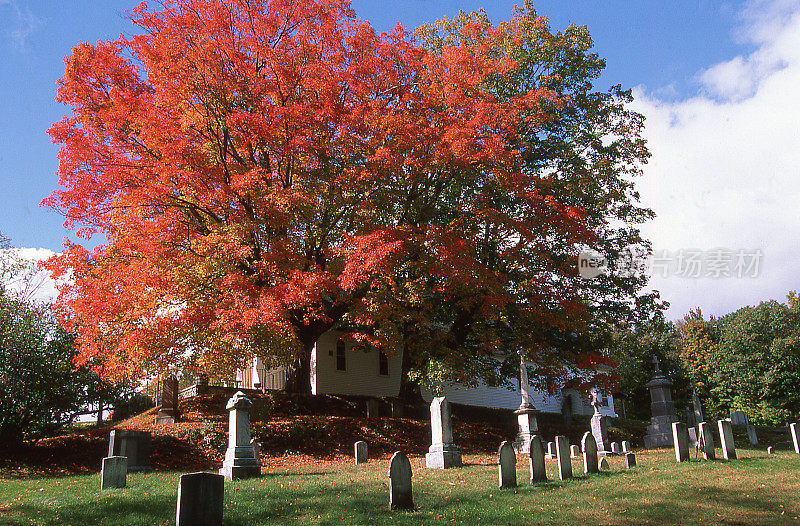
(603, 464)
(794, 431)
(527, 425)
(615, 448)
(770, 451)
(739, 418)
(132, 444)
(551, 451)
(574, 451)
(689, 417)
(169, 402)
(562, 454)
(726, 439)
(626, 446)
(200, 499)
(751, 435)
(256, 450)
(373, 408)
(240, 460)
(443, 453)
(536, 460)
(114, 472)
(589, 447)
(400, 482)
(507, 465)
(600, 425)
(706, 441)
(680, 439)
(662, 409)
(630, 460)
(692, 437)
(361, 452)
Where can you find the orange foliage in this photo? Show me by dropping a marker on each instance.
(264, 171)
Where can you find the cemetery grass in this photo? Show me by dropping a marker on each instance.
(756, 489)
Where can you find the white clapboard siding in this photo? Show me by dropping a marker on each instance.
(483, 395)
(361, 378)
(361, 375)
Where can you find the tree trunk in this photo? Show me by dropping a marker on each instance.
(409, 391)
(299, 375)
(99, 413)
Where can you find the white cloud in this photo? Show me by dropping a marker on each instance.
(725, 170)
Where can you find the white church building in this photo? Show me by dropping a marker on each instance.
(340, 367)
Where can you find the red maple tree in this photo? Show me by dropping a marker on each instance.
(263, 172)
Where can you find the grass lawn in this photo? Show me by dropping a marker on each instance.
(756, 489)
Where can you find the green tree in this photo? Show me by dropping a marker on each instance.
(756, 364)
(698, 339)
(41, 389)
(586, 154)
(633, 350)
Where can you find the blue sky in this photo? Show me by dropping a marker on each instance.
(702, 71)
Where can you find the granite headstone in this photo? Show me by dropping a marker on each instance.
(400, 482)
(200, 499)
(507, 465)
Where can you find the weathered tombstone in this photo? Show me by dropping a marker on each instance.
(200, 499)
(536, 460)
(751, 435)
(507, 465)
(169, 402)
(600, 425)
(240, 460)
(400, 482)
(114, 472)
(630, 460)
(692, 437)
(589, 447)
(626, 446)
(574, 451)
(373, 408)
(603, 464)
(770, 451)
(361, 452)
(615, 448)
(680, 439)
(706, 441)
(551, 451)
(689, 417)
(662, 409)
(132, 444)
(527, 425)
(794, 431)
(726, 439)
(739, 418)
(564, 462)
(256, 450)
(443, 453)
